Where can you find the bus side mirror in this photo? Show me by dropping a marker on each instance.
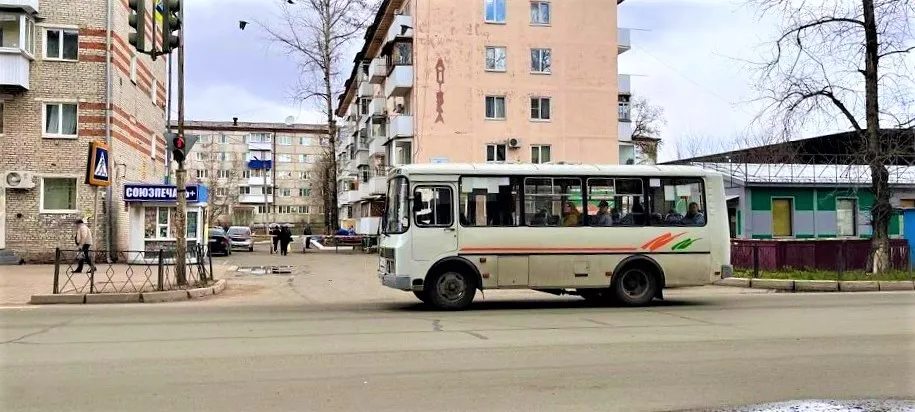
(417, 202)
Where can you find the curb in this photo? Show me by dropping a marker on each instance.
(145, 297)
(819, 285)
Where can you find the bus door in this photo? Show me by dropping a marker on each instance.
(435, 231)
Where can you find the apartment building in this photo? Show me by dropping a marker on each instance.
(68, 76)
(228, 158)
(480, 81)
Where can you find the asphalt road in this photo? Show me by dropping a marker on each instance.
(695, 350)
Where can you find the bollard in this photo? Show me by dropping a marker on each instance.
(56, 271)
(210, 261)
(160, 279)
(91, 271)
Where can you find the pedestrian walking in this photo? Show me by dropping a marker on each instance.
(83, 244)
(275, 238)
(285, 238)
(307, 235)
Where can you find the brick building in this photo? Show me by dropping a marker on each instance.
(62, 63)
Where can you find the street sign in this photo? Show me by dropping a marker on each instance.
(98, 171)
(148, 192)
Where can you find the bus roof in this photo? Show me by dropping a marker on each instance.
(549, 169)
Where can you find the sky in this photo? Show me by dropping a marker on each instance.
(687, 57)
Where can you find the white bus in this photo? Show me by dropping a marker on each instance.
(620, 233)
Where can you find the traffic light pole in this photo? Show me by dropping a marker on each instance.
(181, 173)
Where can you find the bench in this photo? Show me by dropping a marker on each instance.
(337, 241)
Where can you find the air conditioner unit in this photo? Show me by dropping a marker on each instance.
(514, 143)
(17, 180)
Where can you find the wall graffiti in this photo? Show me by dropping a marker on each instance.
(440, 95)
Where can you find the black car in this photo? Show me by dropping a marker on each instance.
(219, 242)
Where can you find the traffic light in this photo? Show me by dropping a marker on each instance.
(137, 20)
(171, 25)
(178, 148)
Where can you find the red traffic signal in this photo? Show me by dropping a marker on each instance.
(178, 148)
(178, 142)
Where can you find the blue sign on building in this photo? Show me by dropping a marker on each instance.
(260, 164)
(150, 192)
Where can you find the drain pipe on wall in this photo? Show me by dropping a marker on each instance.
(110, 230)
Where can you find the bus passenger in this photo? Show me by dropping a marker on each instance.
(603, 218)
(570, 215)
(693, 216)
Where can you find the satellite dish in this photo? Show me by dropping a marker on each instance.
(290, 120)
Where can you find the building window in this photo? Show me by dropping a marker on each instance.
(401, 54)
(285, 192)
(782, 219)
(540, 108)
(199, 156)
(495, 59)
(541, 61)
(303, 175)
(223, 139)
(225, 174)
(259, 138)
(58, 194)
(624, 110)
(304, 191)
(304, 158)
(306, 141)
(133, 68)
(495, 11)
(244, 190)
(495, 152)
(490, 201)
(61, 44)
(540, 154)
(163, 219)
(202, 174)
(11, 37)
(60, 119)
(495, 107)
(672, 202)
(284, 140)
(847, 217)
(222, 191)
(283, 158)
(540, 13)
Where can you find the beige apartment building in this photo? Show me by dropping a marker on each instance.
(69, 77)
(530, 81)
(244, 196)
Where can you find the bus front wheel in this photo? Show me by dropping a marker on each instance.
(450, 289)
(635, 285)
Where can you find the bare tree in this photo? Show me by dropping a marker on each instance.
(647, 121)
(319, 34)
(224, 177)
(844, 60)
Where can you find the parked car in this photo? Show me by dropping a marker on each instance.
(219, 242)
(240, 238)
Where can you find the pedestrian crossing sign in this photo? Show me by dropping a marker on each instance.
(159, 11)
(98, 172)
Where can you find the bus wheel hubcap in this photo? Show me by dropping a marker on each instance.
(452, 287)
(635, 283)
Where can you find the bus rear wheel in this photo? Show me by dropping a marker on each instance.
(450, 290)
(635, 285)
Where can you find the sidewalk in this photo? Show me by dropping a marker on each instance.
(18, 283)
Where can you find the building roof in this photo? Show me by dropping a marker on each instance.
(377, 25)
(252, 127)
(806, 174)
(556, 169)
(833, 149)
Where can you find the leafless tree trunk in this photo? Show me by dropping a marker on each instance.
(224, 194)
(827, 52)
(319, 34)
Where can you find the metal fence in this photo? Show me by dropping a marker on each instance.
(838, 256)
(136, 271)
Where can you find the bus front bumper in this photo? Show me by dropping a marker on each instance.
(396, 282)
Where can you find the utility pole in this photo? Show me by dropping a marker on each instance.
(180, 172)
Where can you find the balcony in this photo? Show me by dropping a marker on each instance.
(361, 157)
(350, 196)
(378, 70)
(377, 185)
(366, 89)
(376, 145)
(624, 131)
(256, 199)
(258, 181)
(28, 6)
(17, 46)
(624, 85)
(401, 27)
(377, 107)
(623, 40)
(400, 126)
(260, 147)
(399, 82)
(14, 69)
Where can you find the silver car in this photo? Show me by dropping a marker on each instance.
(240, 238)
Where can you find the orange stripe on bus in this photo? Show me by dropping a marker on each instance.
(548, 249)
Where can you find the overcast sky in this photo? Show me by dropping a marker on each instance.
(685, 57)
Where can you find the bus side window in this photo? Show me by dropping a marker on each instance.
(553, 201)
(678, 202)
(490, 201)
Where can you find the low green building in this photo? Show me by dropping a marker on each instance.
(803, 201)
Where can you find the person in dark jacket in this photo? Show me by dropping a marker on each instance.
(307, 234)
(285, 237)
(275, 239)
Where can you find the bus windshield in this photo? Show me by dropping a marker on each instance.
(396, 214)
